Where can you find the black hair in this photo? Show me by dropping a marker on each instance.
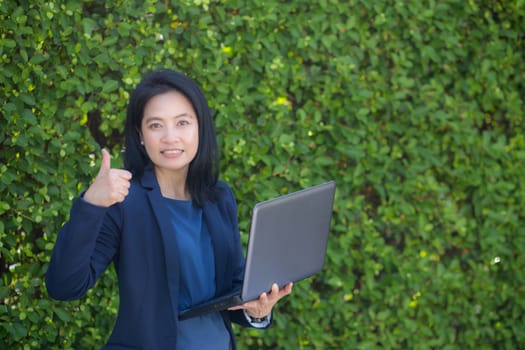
(204, 169)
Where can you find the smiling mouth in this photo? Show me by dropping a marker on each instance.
(172, 151)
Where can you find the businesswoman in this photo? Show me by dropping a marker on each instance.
(166, 222)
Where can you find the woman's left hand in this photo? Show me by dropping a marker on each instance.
(263, 306)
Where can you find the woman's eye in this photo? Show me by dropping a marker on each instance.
(183, 122)
(154, 125)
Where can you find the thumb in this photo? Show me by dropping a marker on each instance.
(106, 161)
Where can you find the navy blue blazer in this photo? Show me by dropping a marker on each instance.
(137, 236)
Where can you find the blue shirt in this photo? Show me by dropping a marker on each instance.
(197, 278)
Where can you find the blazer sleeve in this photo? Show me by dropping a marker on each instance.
(84, 248)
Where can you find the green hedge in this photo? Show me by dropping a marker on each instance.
(415, 108)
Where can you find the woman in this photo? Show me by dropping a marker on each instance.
(166, 222)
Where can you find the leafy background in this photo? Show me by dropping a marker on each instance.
(415, 108)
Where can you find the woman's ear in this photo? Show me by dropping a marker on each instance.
(140, 137)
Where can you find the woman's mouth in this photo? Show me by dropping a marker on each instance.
(171, 151)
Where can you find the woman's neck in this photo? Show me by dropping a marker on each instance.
(172, 185)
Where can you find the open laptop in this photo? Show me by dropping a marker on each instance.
(287, 243)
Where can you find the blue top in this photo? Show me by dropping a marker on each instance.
(197, 278)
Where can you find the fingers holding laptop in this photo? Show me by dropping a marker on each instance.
(263, 306)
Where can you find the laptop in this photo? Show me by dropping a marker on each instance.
(287, 243)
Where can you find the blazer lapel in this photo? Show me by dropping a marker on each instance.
(166, 230)
(222, 246)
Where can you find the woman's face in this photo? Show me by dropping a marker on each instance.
(170, 132)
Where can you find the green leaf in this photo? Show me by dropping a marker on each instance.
(63, 315)
(110, 86)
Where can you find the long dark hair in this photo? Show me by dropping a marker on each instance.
(204, 169)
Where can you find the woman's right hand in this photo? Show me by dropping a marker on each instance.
(110, 186)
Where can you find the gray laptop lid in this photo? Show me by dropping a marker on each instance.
(288, 239)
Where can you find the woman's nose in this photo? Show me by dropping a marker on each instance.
(170, 135)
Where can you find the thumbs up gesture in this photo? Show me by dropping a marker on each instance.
(110, 186)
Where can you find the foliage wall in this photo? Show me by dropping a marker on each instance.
(415, 108)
